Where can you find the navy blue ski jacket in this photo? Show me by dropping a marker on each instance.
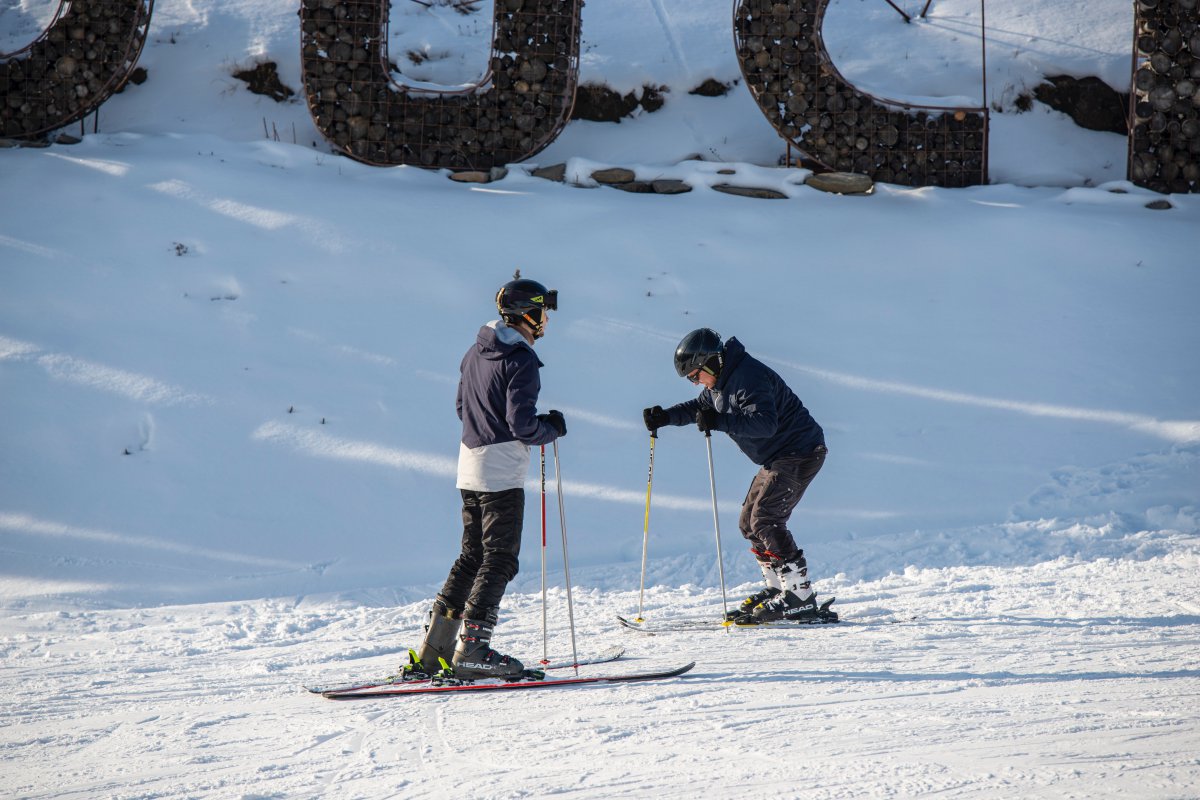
(498, 390)
(763, 417)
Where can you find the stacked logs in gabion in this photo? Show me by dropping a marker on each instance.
(534, 71)
(1164, 152)
(792, 77)
(73, 67)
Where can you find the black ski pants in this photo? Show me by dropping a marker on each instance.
(773, 495)
(491, 543)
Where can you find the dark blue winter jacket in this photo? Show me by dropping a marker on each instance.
(756, 408)
(498, 390)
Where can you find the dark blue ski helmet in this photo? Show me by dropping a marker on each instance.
(528, 300)
(700, 349)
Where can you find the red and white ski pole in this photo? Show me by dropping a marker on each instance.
(545, 643)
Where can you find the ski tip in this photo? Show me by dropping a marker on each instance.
(633, 626)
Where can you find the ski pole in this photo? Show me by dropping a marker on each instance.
(712, 481)
(646, 527)
(562, 521)
(545, 645)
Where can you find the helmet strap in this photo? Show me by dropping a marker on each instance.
(538, 327)
(524, 321)
(712, 365)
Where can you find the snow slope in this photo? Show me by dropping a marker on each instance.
(227, 370)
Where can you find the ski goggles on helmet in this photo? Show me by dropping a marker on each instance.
(548, 300)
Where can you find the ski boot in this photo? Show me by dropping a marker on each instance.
(474, 658)
(796, 602)
(438, 647)
(788, 607)
(772, 588)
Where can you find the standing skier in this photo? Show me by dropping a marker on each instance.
(497, 403)
(750, 402)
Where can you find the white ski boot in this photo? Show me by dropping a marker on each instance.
(773, 587)
(797, 601)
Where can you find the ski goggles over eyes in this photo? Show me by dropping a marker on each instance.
(694, 375)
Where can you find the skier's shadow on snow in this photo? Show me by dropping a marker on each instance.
(1000, 678)
(1177, 621)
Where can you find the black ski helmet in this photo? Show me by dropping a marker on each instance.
(528, 300)
(700, 349)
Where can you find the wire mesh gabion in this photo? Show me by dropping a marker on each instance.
(1164, 140)
(810, 104)
(85, 55)
(513, 112)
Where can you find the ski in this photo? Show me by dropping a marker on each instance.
(681, 625)
(443, 686)
(603, 657)
(676, 625)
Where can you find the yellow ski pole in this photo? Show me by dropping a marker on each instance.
(646, 527)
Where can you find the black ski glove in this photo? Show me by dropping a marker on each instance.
(655, 418)
(706, 419)
(555, 420)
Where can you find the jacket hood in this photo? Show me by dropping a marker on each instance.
(734, 352)
(496, 340)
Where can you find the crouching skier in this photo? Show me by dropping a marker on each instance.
(497, 403)
(766, 420)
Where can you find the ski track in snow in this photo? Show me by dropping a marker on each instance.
(677, 50)
(26, 524)
(130, 385)
(1180, 431)
(1175, 431)
(321, 445)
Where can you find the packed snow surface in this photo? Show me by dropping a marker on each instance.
(228, 361)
